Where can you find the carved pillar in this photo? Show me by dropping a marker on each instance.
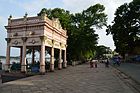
(52, 59)
(42, 59)
(65, 60)
(21, 55)
(42, 55)
(33, 55)
(23, 65)
(60, 60)
(7, 65)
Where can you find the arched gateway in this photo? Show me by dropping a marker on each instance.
(38, 31)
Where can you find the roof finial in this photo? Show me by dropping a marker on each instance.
(44, 11)
(43, 14)
(26, 15)
(10, 17)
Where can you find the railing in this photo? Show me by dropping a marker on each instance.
(33, 20)
(17, 21)
(29, 20)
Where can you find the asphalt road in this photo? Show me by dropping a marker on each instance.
(131, 69)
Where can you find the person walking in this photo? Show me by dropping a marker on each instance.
(107, 63)
(118, 61)
(91, 64)
(95, 63)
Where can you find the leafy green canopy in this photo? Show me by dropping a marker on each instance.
(101, 51)
(126, 27)
(82, 39)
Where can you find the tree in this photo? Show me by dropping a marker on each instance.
(82, 39)
(102, 50)
(126, 27)
(85, 37)
(63, 15)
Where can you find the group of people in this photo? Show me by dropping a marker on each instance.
(93, 63)
(116, 60)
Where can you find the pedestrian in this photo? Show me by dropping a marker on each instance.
(118, 61)
(107, 63)
(95, 63)
(0, 65)
(114, 62)
(91, 64)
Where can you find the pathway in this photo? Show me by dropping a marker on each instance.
(78, 79)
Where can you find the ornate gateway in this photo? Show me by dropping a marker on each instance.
(36, 31)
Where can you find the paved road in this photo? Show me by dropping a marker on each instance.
(78, 79)
(131, 69)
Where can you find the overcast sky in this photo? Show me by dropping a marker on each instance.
(17, 8)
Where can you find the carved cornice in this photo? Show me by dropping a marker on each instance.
(53, 41)
(43, 38)
(16, 42)
(8, 40)
(49, 42)
(34, 41)
(57, 44)
(60, 44)
(63, 45)
(15, 34)
(31, 33)
(24, 39)
(66, 45)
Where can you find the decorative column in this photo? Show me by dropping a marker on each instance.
(33, 55)
(42, 55)
(60, 60)
(52, 59)
(23, 65)
(7, 65)
(20, 55)
(65, 60)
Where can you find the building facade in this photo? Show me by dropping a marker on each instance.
(36, 32)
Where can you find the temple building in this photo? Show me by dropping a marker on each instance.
(36, 32)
